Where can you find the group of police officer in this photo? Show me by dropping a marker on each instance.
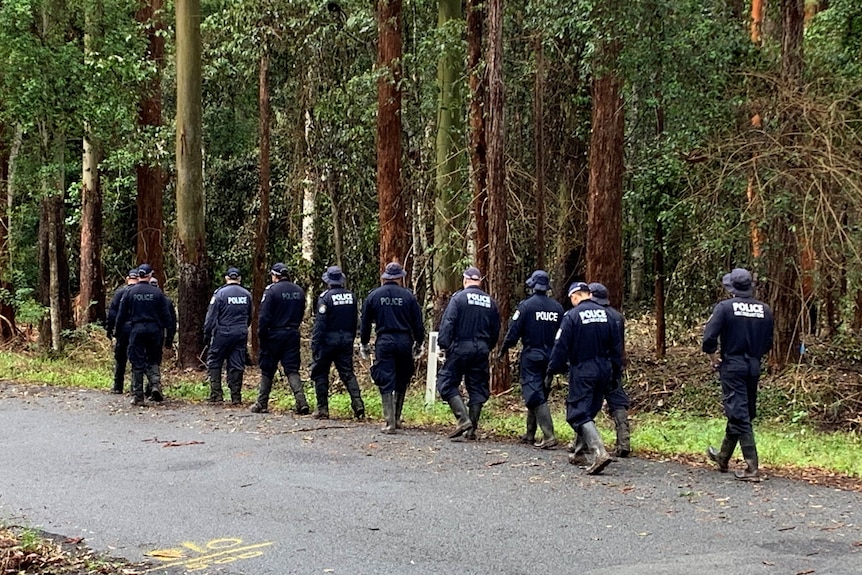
(586, 343)
(143, 320)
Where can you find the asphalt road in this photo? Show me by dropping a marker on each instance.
(193, 488)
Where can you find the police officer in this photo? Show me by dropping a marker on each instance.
(145, 309)
(395, 313)
(615, 396)
(586, 347)
(121, 345)
(279, 316)
(535, 323)
(226, 331)
(742, 326)
(469, 329)
(332, 336)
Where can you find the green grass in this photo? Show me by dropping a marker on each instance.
(780, 443)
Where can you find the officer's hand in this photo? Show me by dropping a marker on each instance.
(418, 349)
(716, 365)
(548, 382)
(364, 352)
(441, 355)
(501, 353)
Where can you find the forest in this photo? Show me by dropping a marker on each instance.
(647, 144)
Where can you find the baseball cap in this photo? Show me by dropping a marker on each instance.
(278, 269)
(599, 294)
(578, 286)
(132, 273)
(145, 270)
(472, 273)
(232, 273)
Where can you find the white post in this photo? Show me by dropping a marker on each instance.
(431, 372)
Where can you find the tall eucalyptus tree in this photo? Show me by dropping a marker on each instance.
(194, 277)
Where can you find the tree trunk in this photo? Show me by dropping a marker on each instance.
(786, 270)
(91, 294)
(393, 220)
(194, 277)
(539, 148)
(478, 150)
(259, 267)
(448, 181)
(149, 174)
(91, 281)
(499, 283)
(604, 204)
(660, 320)
(7, 312)
(53, 263)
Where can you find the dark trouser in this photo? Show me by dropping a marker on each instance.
(588, 383)
(145, 353)
(534, 363)
(230, 347)
(617, 398)
(121, 357)
(393, 362)
(280, 346)
(467, 360)
(739, 378)
(342, 357)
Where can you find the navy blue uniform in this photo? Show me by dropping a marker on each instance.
(335, 323)
(469, 329)
(587, 346)
(144, 309)
(535, 322)
(743, 327)
(616, 396)
(120, 334)
(395, 313)
(226, 327)
(281, 311)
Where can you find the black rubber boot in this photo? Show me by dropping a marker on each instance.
(137, 387)
(119, 376)
(321, 393)
(459, 410)
(216, 393)
(296, 387)
(474, 412)
(234, 384)
(601, 459)
(388, 402)
(530, 435)
(722, 457)
(154, 375)
(399, 407)
(621, 422)
(262, 403)
(749, 454)
(356, 402)
(546, 423)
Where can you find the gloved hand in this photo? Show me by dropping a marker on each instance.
(547, 383)
(441, 355)
(364, 351)
(418, 349)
